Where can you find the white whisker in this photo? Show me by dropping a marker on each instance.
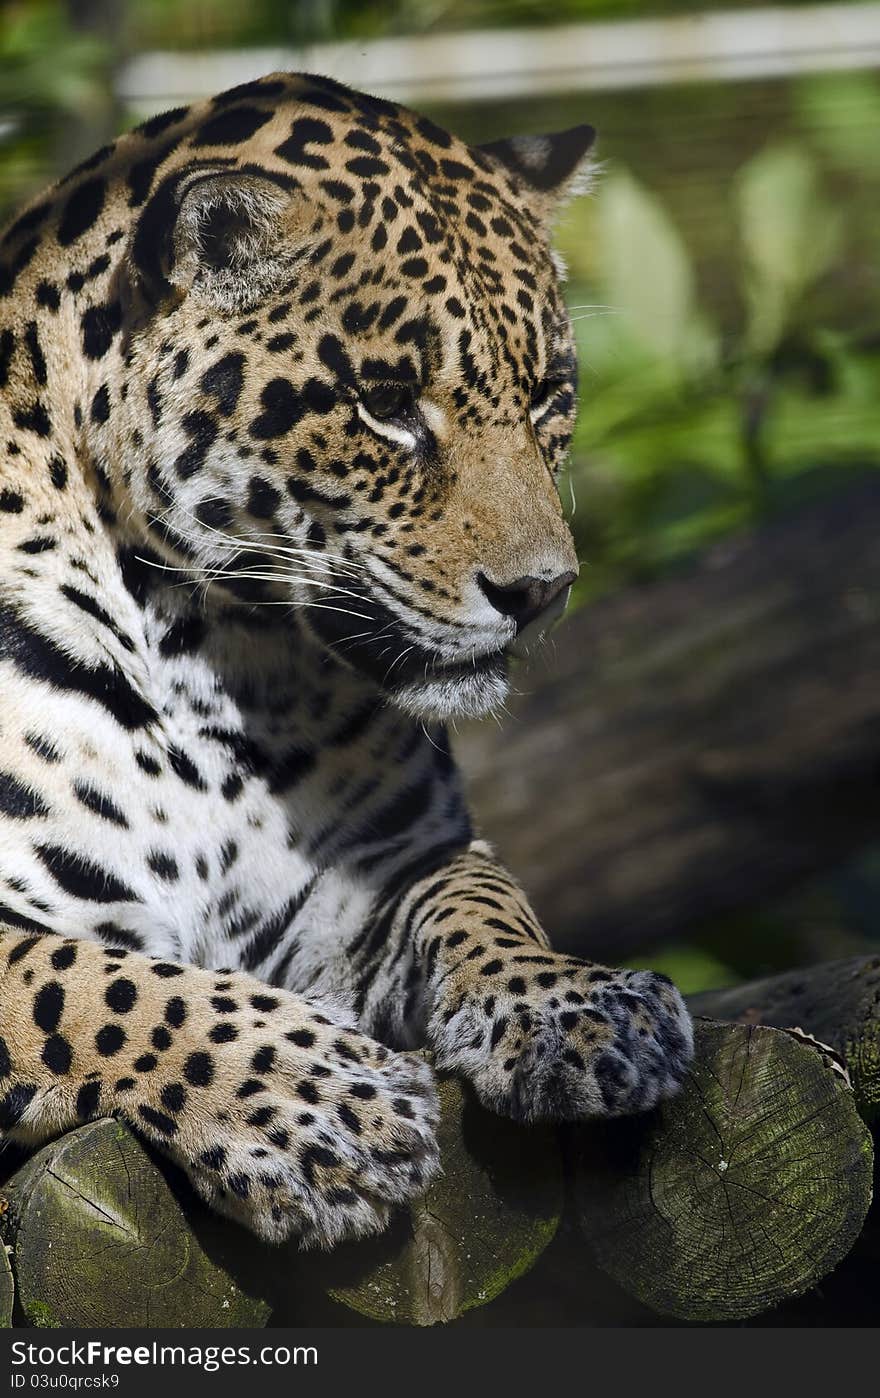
(279, 547)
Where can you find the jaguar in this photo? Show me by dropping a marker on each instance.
(286, 384)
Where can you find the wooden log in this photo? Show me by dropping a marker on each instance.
(103, 1235)
(100, 1239)
(481, 1225)
(837, 1001)
(699, 744)
(743, 1191)
(7, 1290)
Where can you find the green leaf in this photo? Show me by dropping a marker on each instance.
(644, 270)
(841, 112)
(789, 235)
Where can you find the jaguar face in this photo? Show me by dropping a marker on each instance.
(389, 392)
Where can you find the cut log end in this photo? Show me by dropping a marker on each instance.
(743, 1191)
(100, 1239)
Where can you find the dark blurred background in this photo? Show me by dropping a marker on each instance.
(689, 777)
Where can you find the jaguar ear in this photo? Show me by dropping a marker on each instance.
(225, 236)
(555, 167)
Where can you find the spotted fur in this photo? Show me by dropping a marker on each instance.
(285, 382)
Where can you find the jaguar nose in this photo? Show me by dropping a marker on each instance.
(527, 598)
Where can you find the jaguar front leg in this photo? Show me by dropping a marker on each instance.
(283, 1116)
(541, 1035)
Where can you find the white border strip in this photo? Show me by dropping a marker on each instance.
(727, 45)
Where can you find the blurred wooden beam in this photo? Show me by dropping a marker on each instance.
(488, 65)
(699, 744)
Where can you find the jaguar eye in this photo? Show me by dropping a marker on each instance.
(387, 400)
(543, 394)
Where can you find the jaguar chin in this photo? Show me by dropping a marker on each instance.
(470, 689)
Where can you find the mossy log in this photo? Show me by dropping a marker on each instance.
(102, 1234)
(837, 1001)
(7, 1290)
(743, 1191)
(100, 1238)
(699, 744)
(482, 1224)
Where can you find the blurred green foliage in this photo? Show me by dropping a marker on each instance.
(695, 421)
(207, 22)
(56, 98)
